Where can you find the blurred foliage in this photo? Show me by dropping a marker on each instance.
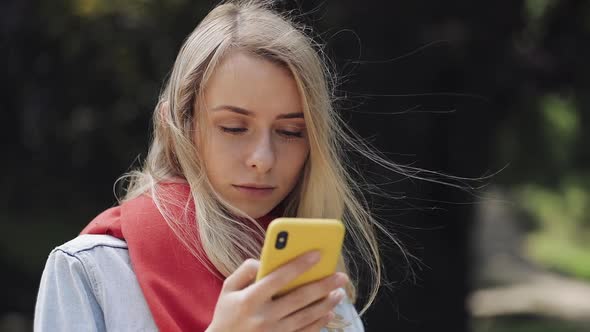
(546, 142)
(536, 8)
(561, 126)
(561, 239)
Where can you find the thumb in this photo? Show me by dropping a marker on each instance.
(242, 277)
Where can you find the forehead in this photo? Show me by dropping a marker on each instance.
(251, 82)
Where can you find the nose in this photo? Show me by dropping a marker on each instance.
(262, 154)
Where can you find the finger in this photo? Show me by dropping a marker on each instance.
(318, 324)
(313, 312)
(307, 294)
(271, 284)
(242, 277)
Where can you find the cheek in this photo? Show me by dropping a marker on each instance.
(292, 162)
(220, 156)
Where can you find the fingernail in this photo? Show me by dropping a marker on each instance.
(331, 315)
(313, 257)
(337, 295)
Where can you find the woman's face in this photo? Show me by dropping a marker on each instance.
(256, 144)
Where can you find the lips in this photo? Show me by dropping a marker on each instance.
(253, 186)
(254, 190)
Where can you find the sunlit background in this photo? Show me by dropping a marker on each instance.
(496, 90)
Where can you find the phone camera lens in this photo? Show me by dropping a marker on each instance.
(281, 240)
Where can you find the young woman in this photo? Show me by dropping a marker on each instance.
(244, 132)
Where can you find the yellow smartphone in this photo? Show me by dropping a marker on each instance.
(287, 238)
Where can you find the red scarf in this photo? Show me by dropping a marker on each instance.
(180, 291)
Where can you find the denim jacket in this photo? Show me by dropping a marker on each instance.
(89, 285)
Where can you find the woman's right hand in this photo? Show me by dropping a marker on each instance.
(247, 306)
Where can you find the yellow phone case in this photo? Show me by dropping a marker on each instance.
(302, 235)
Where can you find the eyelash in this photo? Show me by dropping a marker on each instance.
(238, 131)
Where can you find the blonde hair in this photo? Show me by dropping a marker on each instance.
(328, 187)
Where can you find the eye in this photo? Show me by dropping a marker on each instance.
(232, 130)
(291, 134)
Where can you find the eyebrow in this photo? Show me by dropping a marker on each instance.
(246, 112)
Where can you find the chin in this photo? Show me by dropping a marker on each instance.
(257, 213)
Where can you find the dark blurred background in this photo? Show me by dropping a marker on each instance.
(463, 87)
